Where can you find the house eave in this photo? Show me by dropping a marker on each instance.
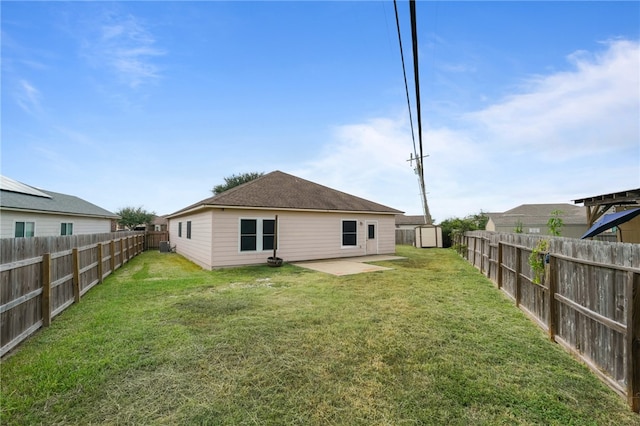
(290, 209)
(51, 212)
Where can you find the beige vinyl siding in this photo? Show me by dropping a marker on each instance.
(198, 247)
(386, 234)
(301, 235)
(49, 224)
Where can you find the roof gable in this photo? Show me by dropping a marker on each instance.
(278, 190)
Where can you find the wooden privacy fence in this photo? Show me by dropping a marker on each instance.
(40, 277)
(152, 239)
(406, 236)
(588, 300)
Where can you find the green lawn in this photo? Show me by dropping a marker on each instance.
(430, 342)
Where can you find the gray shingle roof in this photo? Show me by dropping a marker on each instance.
(410, 220)
(54, 203)
(278, 190)
(540, 214)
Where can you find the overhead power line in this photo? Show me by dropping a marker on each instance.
(419, 156)
(404, 73)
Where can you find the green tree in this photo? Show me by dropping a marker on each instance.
(456, 225)
(130, 217)
(235, 180)
(555, 223)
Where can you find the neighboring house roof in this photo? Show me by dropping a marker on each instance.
(159, 220)
(539, 214)
(278, 190)
(19, 196)
(410, 220)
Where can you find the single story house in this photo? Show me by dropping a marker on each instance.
(239, 227)
(533, 218)
(29, 212)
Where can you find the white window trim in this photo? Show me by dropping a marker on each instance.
(259, 234)
(357, 245)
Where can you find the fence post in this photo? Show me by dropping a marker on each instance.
(100, 273)
(516, 290)
(46, 289)
(551, 297)
(633, 340)
(122, 260)
(481, 255)
(76, 274)
(473, 252)
(112, 259)
(499, 269)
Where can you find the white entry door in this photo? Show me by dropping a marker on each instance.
(372, 237)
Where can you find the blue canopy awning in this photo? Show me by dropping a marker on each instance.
(608, 221)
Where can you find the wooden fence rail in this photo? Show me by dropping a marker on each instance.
(40, 277)
(588, 300)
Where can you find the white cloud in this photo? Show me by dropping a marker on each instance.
(369, 160)
(28, 97)
(563, 136)
(126, 47)
(591, 109)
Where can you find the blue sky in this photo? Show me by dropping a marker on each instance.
(153, 103)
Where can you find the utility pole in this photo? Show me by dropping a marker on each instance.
(423, 192)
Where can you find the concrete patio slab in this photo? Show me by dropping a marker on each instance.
(348, 266)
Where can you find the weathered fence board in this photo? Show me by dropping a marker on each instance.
(40, 277)
(406, 237)
(588, 301)
(153, 238)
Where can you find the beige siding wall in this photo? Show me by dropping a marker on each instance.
(386, 234)
(302, 236)
(215, 236)
(49, 224)
(198, 247)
